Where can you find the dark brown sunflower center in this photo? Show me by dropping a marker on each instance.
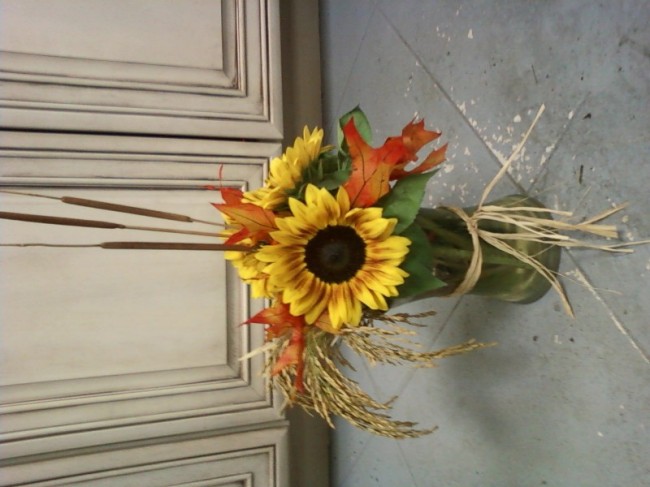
(335, 253)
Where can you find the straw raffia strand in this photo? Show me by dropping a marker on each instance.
(531, 228)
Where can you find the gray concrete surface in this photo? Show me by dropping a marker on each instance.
(559, 401)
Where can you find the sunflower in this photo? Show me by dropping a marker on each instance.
(330, 258)
(250, 270)
(286, 172)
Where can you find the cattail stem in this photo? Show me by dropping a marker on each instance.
(141, 246)
(171, 246)
(58, 220)
(78, 222)
(102, 205)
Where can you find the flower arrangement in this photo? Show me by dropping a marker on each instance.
(330, 240)
(336, 236)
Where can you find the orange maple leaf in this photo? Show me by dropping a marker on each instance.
(256, 222)
(371, 168)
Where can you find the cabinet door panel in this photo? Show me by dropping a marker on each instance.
(246, 459)
(207, 67)
(131, 340)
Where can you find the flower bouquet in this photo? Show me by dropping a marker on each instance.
(337, 237)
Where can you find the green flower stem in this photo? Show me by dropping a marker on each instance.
(443, 233)
(450, 254)
(503, 276)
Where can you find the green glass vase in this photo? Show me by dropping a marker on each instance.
(503, 276)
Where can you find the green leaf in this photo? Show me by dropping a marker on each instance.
(360, 122)
(404, 200)
(419, 265)
(329, 171)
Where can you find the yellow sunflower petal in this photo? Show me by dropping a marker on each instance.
(322, 299)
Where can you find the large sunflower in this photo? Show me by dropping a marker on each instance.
(331, 258)
(286, 172)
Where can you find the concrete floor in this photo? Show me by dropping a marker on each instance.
(559, 401)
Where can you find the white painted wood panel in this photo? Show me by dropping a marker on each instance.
(201, 68)
(196, 462)
(99, 346)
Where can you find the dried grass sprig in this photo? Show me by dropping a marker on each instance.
(327, 391)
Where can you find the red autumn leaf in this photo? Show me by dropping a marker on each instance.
(279, 321)
(278, 318)
(256, 222)
(292, 353)
(371, 168)
(232, 196)
(436, 157)
(414, 137)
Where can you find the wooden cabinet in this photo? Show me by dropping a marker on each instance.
(122, 367)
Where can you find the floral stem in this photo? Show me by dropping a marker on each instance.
(103, 205)
(444, 252)
(442, 233)
(78, 222)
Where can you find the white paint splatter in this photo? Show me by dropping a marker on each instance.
(499, 155)
(517, 119)
(600, 434)
(467, 152)
(462, 108)
(556, 340)
(470, 34)
(447, 168)
(570, 114)
(625, 219)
